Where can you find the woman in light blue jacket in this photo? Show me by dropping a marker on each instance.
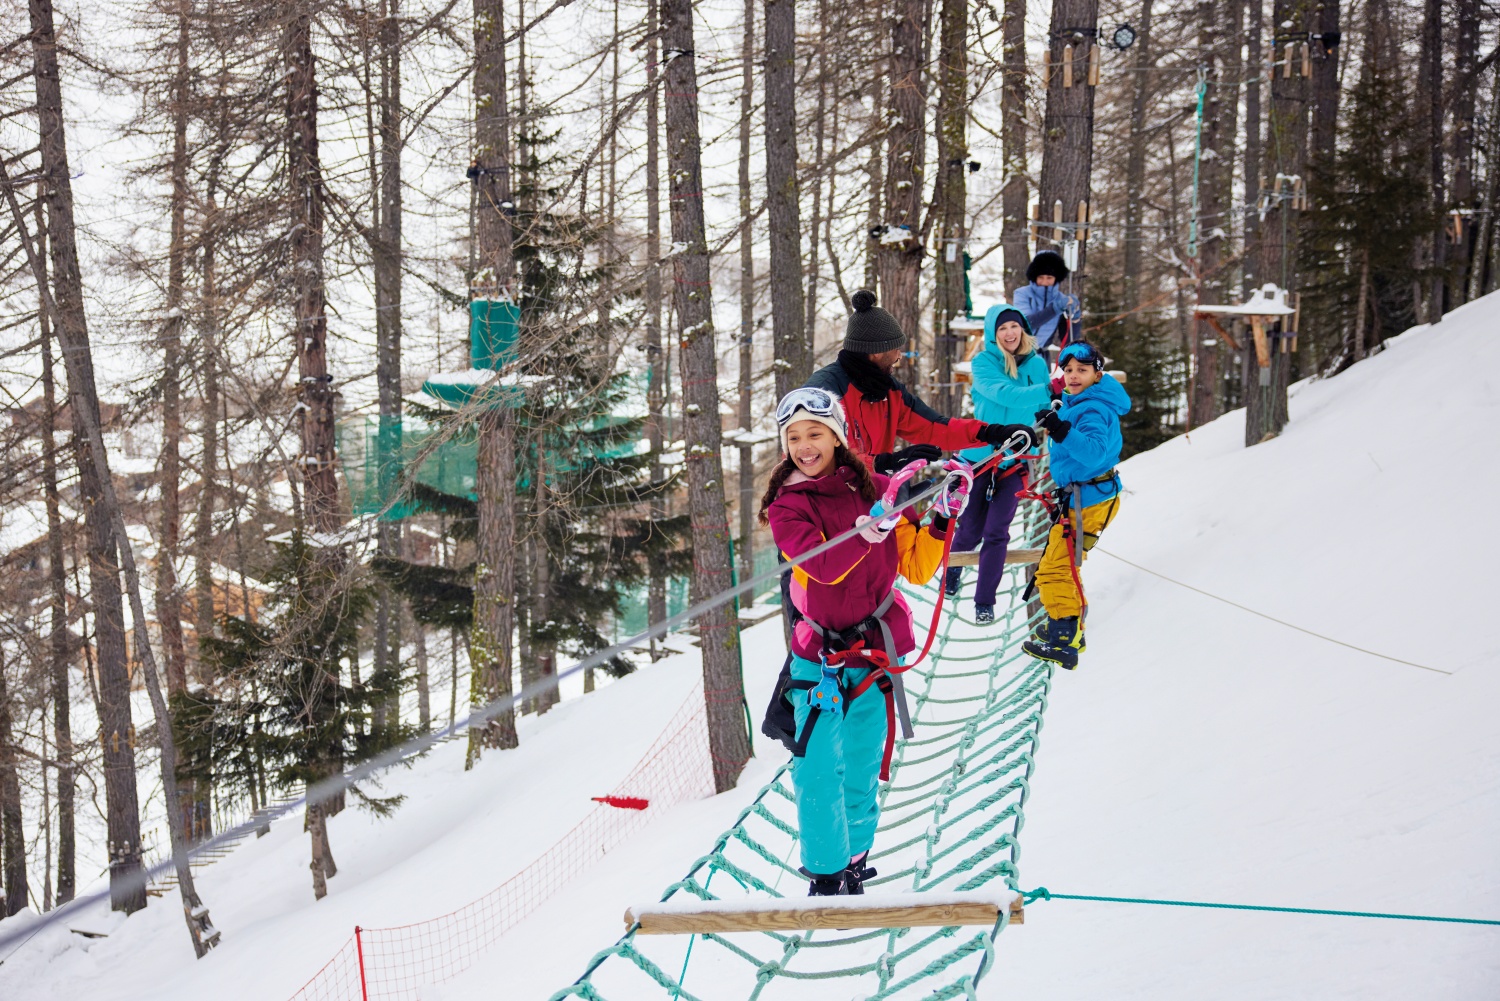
(1010, 384)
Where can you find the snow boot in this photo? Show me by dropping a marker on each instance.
(950, 583)
(820, 885)
(857, 873)
(984, 614)
(1060, 642)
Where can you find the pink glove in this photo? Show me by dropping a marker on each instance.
(958, 479)
(872, 531)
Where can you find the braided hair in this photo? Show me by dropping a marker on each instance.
(864, 483)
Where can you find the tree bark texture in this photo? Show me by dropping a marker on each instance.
(952, 194)
(57, 581)
(1135, 160)
(1250, 270)
(1068, 126)
(723, 686)
(1216, 182)
(490, 644)
(1465, 55)
(746, 545)
(127, 890)
(789, 334)
(1013, 230)
(208, 368)
(656, 358)
(491, 647)
(320, 489)
(12, 830)
(1430, 100)
(1285, 161)
(900, 260)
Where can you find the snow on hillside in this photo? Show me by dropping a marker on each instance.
(1200, 753)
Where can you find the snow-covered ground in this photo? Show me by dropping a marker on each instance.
(1200, 753)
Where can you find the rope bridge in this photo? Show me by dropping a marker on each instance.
(951, 818)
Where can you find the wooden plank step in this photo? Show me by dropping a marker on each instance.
(894, 910)
(971, 558)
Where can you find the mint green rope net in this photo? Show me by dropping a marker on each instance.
(951, 819)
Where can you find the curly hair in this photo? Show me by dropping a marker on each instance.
(864, 483)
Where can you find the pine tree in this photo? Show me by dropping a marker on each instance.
(1371, 211)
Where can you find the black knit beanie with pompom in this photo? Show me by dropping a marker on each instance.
(871, 330)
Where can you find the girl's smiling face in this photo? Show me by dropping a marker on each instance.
(1077, 376)
(810, 445)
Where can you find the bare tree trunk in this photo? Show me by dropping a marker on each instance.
(1216, 181)
(65, 302)
(656, 358)
(1286, 160)
(1068, 130)
(747, 304)
(952, 194)
(317, 461)
(1015, 188)
(1430, 100)
(875, 174)
(1255, 63)
(1135, 159)
(208, 369)
(320, 490)
(1465, 55)
(196, 801)
(57, 581)
(12, 830)
(900, 260)
(789, 333)
(127, 890)
(543, 637)
(490, 646)
(387, 260)
(723, 687)
(1357, 349)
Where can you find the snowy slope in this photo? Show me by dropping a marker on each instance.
(1200, 753)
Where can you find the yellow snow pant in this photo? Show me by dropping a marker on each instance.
(1061, 593)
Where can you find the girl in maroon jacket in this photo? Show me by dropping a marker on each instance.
(854, 628)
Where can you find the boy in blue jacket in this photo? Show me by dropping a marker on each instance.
(1086, 442)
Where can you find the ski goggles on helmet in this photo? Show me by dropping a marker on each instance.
(818, 402)
(1085, 353)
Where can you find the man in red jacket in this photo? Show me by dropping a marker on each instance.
(880, 409)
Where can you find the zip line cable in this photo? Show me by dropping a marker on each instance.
(1042, 893)
(1272, 618)
(330, 787)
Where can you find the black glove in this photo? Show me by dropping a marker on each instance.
(999, 434)
(1054, 425)
(889, 462)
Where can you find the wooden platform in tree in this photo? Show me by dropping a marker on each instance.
(970, 559)
(871, 910)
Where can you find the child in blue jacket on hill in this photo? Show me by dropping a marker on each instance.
(1086, 444)
(1010, 382)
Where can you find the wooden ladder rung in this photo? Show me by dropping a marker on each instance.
(971, 558)
(899, 910)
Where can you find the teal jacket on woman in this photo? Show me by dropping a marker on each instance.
(999, 397)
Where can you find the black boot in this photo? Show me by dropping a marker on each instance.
(951, 582)
(1060, 642)
(820, 885)
(857, 873)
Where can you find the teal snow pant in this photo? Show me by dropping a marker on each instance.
(838, 779)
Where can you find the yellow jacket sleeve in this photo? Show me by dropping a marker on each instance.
(921, 552)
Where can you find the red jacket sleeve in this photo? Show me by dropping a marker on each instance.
(795, 534)
(920, 424)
